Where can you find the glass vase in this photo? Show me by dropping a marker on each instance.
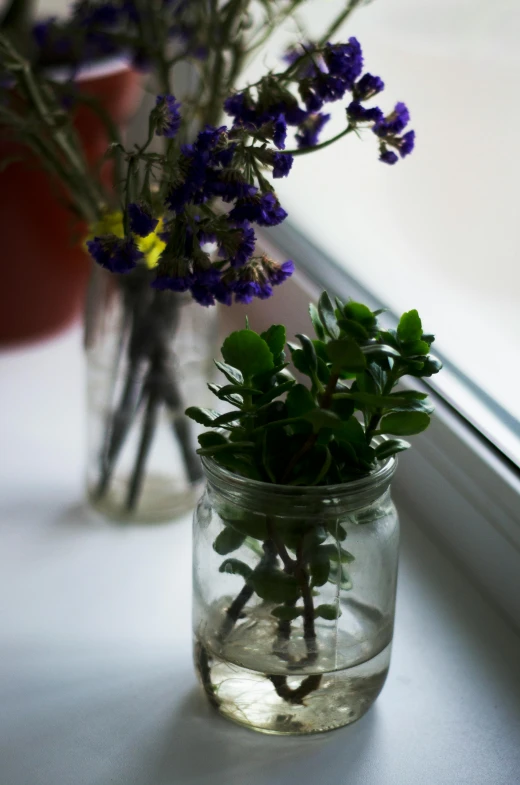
(294, 595)
(149, 356)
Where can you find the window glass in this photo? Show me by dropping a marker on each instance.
(438, 231)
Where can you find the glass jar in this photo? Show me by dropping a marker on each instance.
(149, 355)
(294, 595)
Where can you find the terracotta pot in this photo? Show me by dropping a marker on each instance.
(44, 270)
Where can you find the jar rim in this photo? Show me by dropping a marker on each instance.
(379, 478)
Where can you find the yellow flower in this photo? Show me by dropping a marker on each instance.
(112, 223)
(152, 246)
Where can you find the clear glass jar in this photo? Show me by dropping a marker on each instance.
(149, 356)
(327, 556)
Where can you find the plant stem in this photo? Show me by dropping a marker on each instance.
(374, 420)
(340, 19)
(325, 403)
(243, 597)
(149, 425)
(321, 145)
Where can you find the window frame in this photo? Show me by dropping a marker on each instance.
(454, 483)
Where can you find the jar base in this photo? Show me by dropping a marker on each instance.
(161, 500)
(295, 704)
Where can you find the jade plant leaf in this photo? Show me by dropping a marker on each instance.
(228, 540)
(247, 351)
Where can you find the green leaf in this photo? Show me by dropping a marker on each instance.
(287, 612)
(316, 322)
(309, 352)
(225, 419)
(228, 389)
(408, 401)
(328, 612)
(340, 577)
(238, 464)
(319, 567)
(327, 315)
(390, 337)
(275, 338)
(217, 449)
(274, 392)
(322, 418)
(431, 366)
(395, 401)
(228, 540)
(343, 407)
(245, 350)
(299, 361)
(390, 447)
(414, 348)
(409, 327)
(337, 554)
(336, 530)
(324, 468)
(236, 567)
(233, 375)
(211, 439)
(202, 416)
(346, 355)
(321, 350)
(351, 431)
(274, 585)
(379, 350)
(404, 423)
(248, 523)
(411, 394)
(354, 329)
(299, 401)
(360, 313)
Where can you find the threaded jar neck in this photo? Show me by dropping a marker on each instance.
(295, 501)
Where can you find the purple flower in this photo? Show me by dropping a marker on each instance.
(245, 291)
(394, 123)
(241, 109)
(278, 273)
(42, 31)
(282, 164)
(119, 255)
(294, 114)
(141, 219)
(206, 238)
(308, 134)
(202, 295)
(367, 87)
(223, 294)
(96, 15)
(167, 115)
(312, 102)
(228, 184)
(406, 143)
(208, 277)
(388, 157)
(280, 132)
(307, 67)
(359, 114)
(238, 245)
(209, 137)
(264, 210)
(330, 87)
(345, 61)
(265, 290)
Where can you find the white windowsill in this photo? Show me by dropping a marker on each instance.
(97, 682)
